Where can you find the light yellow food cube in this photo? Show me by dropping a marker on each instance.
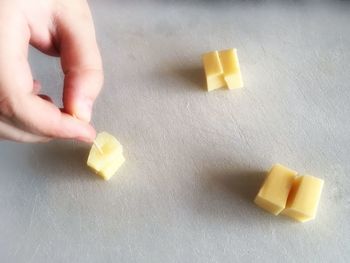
(222, 69)
(213, 70)
(274, 192)
(106, 155)
(231, 68)
(304, 198)
(111, 168)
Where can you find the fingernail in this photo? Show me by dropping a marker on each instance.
(87, 135)
(83, 110)
(83, 139)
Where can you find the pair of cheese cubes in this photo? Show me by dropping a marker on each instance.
(285, 192)
(222, 69)
(106, 155)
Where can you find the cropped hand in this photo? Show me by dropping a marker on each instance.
(61, 28)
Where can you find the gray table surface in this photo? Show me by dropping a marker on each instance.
(195, 160)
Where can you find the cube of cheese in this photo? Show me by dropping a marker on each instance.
(232, 71)
(213, 70)
(274, 192)
(304, 198)
(109, 170)
(106, 155)
(222, 69)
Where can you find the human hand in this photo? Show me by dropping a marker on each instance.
(55, 27)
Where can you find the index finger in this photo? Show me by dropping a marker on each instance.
(80, 59)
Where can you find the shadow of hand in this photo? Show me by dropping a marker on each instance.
(64, 158)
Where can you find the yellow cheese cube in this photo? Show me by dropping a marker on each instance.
(232, 71)
(304, 198)
(106, 155)
(274, 192)
(213, 70)
(222, 69)
(111, 168)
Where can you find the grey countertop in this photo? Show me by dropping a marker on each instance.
(195, 160)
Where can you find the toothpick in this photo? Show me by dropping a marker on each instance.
(98, 147)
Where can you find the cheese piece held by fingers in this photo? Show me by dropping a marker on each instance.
(106, 155)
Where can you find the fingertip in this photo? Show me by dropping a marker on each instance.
(86, 140)
(83, 109)
(45, 140)
(81, 88)
(88, 135)
(79, 130)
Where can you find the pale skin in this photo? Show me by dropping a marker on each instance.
(61, 28)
